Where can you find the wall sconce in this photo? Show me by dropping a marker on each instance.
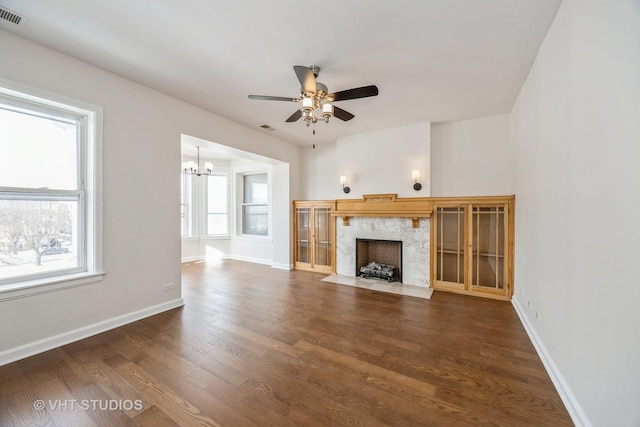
(343, 182)
(415, 176)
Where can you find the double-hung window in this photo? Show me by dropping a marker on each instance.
(255, 204)
(217, 205)
(47, 189)
(185, 205)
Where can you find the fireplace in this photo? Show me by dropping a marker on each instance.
(415, 245)
(381, 259)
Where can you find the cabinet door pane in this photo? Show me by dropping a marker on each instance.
(487, 266)
(450, 244)
(322, 235)
(303, 250)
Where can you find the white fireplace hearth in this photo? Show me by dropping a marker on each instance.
(415, 244)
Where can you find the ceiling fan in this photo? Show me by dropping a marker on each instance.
(315, 96)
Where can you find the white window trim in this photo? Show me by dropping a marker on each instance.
(93, 186)
(240, 204)
(198, 208)
(205, 211)
(188, 205)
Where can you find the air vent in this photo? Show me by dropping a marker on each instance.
(267, 127)
(7, 16)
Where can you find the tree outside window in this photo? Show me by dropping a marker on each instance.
(42, 190)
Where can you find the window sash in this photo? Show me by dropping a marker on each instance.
(255, 221)
(12, 103)
(52, 110)
(254, 212)
(60, 196)
(185, 204)
(213, 211)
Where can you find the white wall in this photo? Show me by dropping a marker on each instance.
(576, 130)
(320, 179)
(281, 216)
(381, 162)
(466, 158)
(472, 157)
(141, 204)
(209, 248)
(376, 162)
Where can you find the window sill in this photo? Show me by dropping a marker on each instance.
(51, 284)
(216, 237)
(253, 237)
(207, 237)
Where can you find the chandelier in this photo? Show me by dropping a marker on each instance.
(193, 168)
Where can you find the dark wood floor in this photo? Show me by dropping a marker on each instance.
(258, 346)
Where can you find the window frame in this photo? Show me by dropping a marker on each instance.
(186, 200)
(242, 204)
(88, 192)
(196, 190)
(206, 213)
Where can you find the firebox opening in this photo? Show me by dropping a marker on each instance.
(379, 259)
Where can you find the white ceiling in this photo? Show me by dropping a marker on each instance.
(432, 60)
(211, 150)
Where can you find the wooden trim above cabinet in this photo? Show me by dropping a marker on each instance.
(385, 206)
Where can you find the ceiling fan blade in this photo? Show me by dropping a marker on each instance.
(294, 117)
(273, 98)
(341, 114)
(306, 78)
(355, 93)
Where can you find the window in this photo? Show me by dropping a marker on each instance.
(217, 205)
(48, 188)
(255, 208)
(185, 204)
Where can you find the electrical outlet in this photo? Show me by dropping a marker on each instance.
(537, 315)
(169, 286)
(529, 303)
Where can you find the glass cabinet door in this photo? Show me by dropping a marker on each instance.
(314, 236)
(488, 241)
(322, 237)
(472, 246)
(450, 245)
(303, 235)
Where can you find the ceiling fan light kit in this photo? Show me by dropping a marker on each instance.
(315, 96)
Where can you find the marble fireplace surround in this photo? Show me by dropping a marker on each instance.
(385, 217)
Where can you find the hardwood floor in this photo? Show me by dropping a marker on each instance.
(258, 346)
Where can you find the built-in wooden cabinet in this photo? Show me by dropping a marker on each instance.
(314, 236)
(472, 246)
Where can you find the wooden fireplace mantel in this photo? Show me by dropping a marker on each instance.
(384, 205)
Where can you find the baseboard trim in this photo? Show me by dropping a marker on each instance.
(250, 259)
(191, 259)
(576, 413)
(40, 346)
(280, 266)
